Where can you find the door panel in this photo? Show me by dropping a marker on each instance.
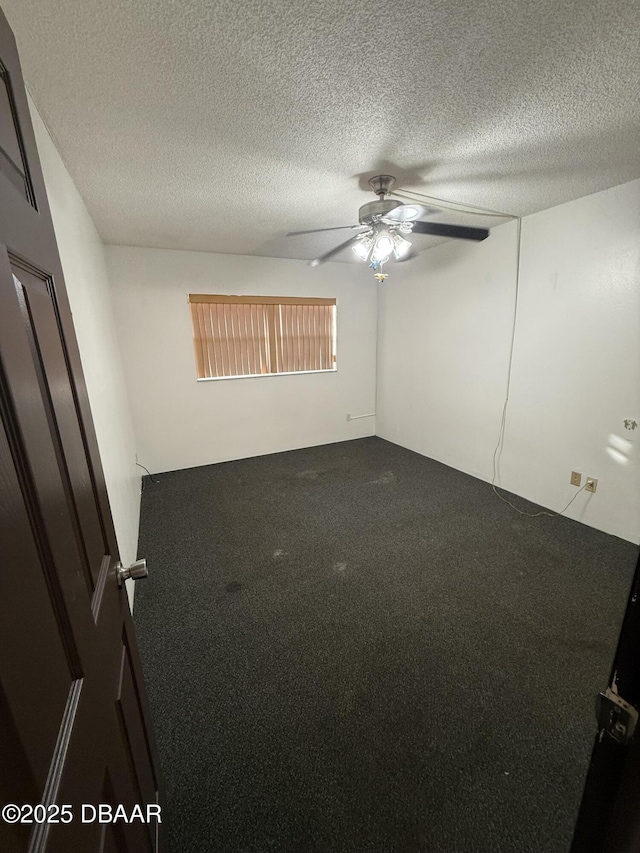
(39, 312)
(12, 162)
(72, 700)
(28, 633)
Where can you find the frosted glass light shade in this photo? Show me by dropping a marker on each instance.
(362, 249)
(400, 246)
(382, 248)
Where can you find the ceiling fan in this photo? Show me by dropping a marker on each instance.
(386, 222)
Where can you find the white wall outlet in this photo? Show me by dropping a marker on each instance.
(576, 478)
(592, 484)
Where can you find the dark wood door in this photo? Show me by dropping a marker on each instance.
(74, 724)
(609, 816)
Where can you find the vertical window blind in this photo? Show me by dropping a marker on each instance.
(262, 335)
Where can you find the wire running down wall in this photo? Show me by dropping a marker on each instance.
(444, 340)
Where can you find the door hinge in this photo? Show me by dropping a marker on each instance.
(615, 716)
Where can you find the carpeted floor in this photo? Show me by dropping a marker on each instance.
(354, 648)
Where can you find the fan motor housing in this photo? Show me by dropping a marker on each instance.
(373, 210)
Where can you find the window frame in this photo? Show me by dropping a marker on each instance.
(204, 298)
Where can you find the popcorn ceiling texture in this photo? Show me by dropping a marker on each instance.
(219, 126)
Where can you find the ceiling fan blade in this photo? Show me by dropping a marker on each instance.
(440, 229)
(408, 257)
(332, 252)
(316, 230)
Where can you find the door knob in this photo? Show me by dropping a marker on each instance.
(135, 571)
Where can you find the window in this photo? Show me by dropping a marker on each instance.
(262, 335)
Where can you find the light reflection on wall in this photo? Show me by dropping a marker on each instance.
(619, 449)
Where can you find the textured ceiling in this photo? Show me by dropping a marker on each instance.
(219, 126)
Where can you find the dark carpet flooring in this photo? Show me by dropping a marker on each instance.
(354, 648)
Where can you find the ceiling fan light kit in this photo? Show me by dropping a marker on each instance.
(387, 222)
(377, 247)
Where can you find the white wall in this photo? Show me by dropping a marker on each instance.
(445, 323)
(84, 267)
(180, 422)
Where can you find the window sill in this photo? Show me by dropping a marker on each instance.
(265, 375)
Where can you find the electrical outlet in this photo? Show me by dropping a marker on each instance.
(592, 484)
(576, 478)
